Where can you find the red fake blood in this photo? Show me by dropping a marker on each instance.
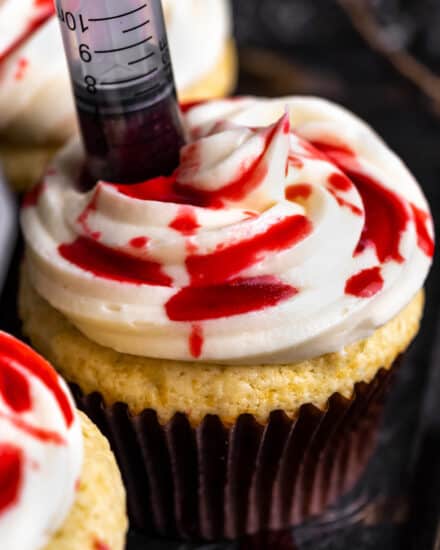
(33, 196)
(346, 204)
(168, 189)
(226, 300)
(339, 182)
(23, 355)
(196, 341)
(99, 545)
(188, 105)
(84, 216)
(46, 436)
(113, 264)
(228, 262)
(295, 161)
(365, 284)
(139, 242)
(185, 221)
(336, 152)
(298, 191)
(11, 475)
(161, 189)
(386, 214)
(424, 239)
(22, 65)
(14, 387)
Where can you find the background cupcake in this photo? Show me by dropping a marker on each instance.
(48, 448)
(239, 320)
(36, 107)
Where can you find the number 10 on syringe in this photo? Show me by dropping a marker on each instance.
(122, 79)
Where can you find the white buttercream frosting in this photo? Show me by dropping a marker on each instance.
(263, 248)
(35, 94)
(41, 448)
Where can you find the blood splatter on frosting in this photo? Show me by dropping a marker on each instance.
(287, 231)
(40, 448)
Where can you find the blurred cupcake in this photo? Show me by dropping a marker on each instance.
(60, 486)
(233, 328)
(36, 108)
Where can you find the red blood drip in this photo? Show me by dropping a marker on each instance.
(365, 284)
(298, 191)
(190, 246)
(21, 68)
(113, 264)
(23, 355)
(14, 387)
(99, 545)
(226, 300)
(33, 196)
(84, 216)
(386, 218)
(334, 151)
(168, 189)
(386, 214)
(139, 242)
(162, 189)
(11, 475)
(251, 214)
(339, 182)
(295, 161)
(186, 221)
(344, 203)
(196, 341)
(226, 263)
(424, 239)
(46, 436)
(188, 105)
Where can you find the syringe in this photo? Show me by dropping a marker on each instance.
(122, 78)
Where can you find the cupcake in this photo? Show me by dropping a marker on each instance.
(60, 486)
(233, 328)
(37, 114)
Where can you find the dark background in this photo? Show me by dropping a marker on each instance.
(381, 59)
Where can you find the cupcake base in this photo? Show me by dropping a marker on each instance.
(216, 481)
(97, 518)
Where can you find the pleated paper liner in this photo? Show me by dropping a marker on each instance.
(215, 481)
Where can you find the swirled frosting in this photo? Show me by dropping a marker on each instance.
(40, 448)
(289, 230)
(35, 93)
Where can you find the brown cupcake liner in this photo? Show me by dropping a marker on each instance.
(215, 481)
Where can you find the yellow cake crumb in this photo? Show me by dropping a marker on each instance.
(98, 515)
(198, 389)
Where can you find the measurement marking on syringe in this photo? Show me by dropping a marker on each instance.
(120, 15)
(125, 47)
(129, 79)
(141, 59)
(147, 90)
(137, 26)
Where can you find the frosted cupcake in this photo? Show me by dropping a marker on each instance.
(60, 486)
(36, 108)
(235, 326)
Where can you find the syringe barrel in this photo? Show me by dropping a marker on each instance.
(122, 79)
